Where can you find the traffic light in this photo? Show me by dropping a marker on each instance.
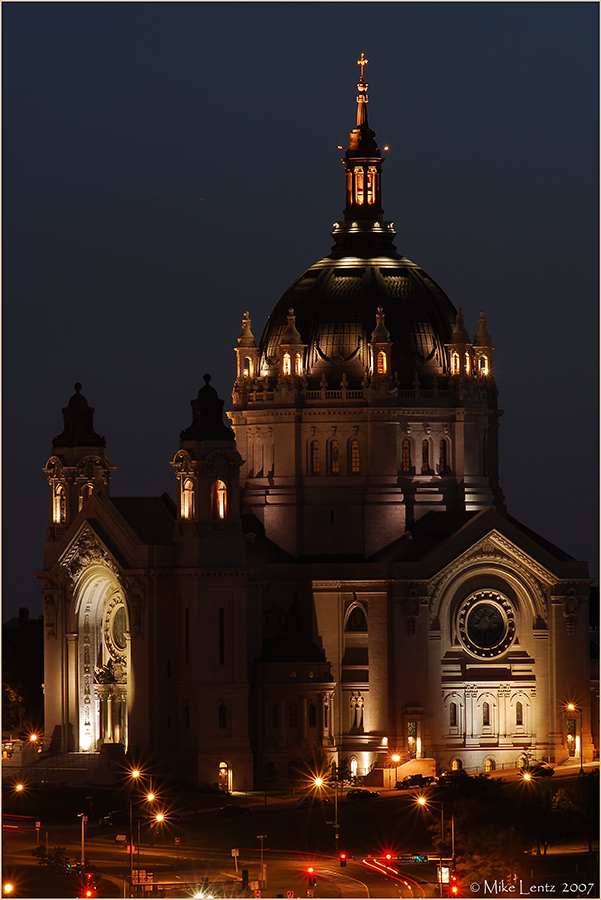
(342, 860)
(311, 877)
(454, 886)
(67, 866)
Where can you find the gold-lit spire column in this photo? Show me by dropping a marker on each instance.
(362, 98)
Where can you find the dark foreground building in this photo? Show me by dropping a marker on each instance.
(338, 570)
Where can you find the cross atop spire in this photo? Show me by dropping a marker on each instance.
(362, 62)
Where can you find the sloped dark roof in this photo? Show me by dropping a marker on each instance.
(152, 518)
(259, 548)
(557, 552)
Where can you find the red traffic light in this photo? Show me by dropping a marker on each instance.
(342, 859)
(454, 886)
(389, 856)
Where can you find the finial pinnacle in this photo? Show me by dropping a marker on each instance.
(362, 62)
(207, 378)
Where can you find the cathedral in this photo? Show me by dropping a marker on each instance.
(338, 577)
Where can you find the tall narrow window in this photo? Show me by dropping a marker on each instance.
(371, 185)
(455, 368)
(355, 466)
(312, 716)
(221, 635)
(334, 458)
(298, 364)
(247, 367)
(519, 714)
(286, 364)
(453, 715)
(59, 506)
(359, 179)
(222, 716)
(382, 363)
(219, 500)
(483, 364)
(86, 492)
(314, 458)
(425, 457)
(468, 362)
(406, 456)
(485, 714)
(187, 508)
(442, 458)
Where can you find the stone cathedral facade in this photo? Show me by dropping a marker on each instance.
(337, 577)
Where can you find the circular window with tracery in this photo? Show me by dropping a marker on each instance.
(486, 624)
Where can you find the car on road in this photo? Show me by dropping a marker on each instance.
(362, 794)
(537, 770)
(232, 810)
(411, 781)
(452, 777)
(307, 802)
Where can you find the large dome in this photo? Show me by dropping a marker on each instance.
(335, 303)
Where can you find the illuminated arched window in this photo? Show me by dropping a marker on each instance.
(187, 507)
(286, 364)
(519, 714)
(353, 765)
(218, 500)
(59, 506)
(85, 493)
(483, 364)
(455, 367)
(247, 367)
(443, 464)
(298, 364)
(485, 714)
(355, 457)
(356, 620)
(382, 363)
(314, 457)
(456, 764)
(468, 362)
(334, 458)
(371, 184)
(312, 716)
(406, 457)
(359, 181)
(489, 764)
(453, 715)
(425, 457)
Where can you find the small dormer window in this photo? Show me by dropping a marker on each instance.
(286, 364)
(371, 185)
(187, 499)
(355, 454)
(483, 365)
(219, 500)
(298, 364)
(406, 456)
(359, 182)
(382, 363)
(455, 367)
(314, 458)
(247, 367)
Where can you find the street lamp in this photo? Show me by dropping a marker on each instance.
(263, 879)
(576, 709)
(84, 821)
(423, 802)
(395, 760)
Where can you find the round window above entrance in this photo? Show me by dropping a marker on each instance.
(486, 624)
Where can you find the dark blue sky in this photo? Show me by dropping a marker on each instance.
(169, 165)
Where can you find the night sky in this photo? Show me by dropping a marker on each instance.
(168, 166)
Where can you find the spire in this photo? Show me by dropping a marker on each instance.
(78, 429)
(291, 334)
(460, 335)
(380, 334)
(207, 417)
(362, 98)
(482, 338)
(247, 338)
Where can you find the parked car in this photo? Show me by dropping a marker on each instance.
(116, 817)
(232, 810)
(361, 794)
(417, 780)
(453, 776)
(537, 770)
(306, 802)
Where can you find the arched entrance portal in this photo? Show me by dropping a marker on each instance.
(103, 670)
(225, 778)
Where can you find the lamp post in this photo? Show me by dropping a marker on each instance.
(395, 760)
(576, 709)
(84, 820)
(263, 879)
(422, 801)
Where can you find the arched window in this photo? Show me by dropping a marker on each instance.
(483, 365)
(219, 499)
(489, 765)
(334, 458)
(85, 493)
(486, 715)
(443, 464)
(187, 506)
(293, 715)
(456, 764)
(406, 456)
(247, 368)
(455, 367)
(222, 716)
(359, 181)
(468, 362)
(425, 457)
(519, 714)
(286, 364)
(314, 458)
(382, 363)
(59, 507)
(371, 185)
(353, 765)
(356, 620)
(298, 364)
(312, 716)
(355, 457)
(453, 715)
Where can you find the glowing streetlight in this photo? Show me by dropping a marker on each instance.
(8, 889)
(424, 802)
(19, 787)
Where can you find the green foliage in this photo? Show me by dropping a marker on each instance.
(50, 857)
(13, 710)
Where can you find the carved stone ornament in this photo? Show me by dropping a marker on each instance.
(112, 673)
(411, 605)
(183, 463)
(86, 551)
(570, 610)
(88, 467)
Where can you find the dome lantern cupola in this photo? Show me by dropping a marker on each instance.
(247, 352)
